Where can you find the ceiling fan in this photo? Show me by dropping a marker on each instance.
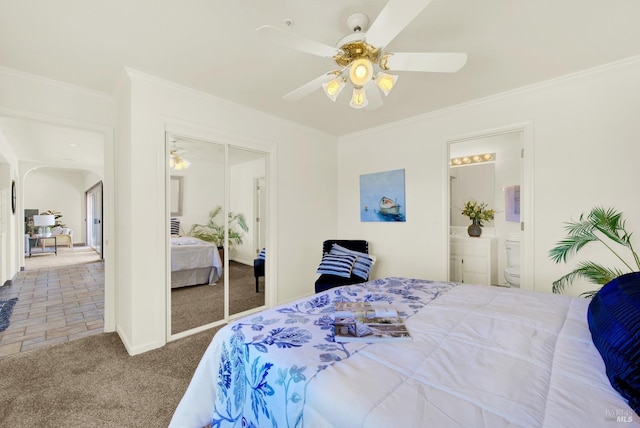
(362, 57)
(177, 160)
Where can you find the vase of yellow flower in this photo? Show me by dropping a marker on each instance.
(477, 213)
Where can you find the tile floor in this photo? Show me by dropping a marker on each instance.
(55, 305)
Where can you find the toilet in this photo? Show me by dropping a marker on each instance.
(512, 272)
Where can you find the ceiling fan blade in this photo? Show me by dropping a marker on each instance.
(294, 41)
(396, 15)
(309, 87)
(373, 95)
(439, 62)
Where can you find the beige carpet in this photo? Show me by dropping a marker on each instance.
(66, 256)
(93, 382)
(202, 304)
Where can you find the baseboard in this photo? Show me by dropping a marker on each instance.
(135, 350)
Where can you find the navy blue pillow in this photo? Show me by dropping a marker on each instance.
(614, 322)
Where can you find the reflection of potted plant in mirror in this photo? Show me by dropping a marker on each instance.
(600, 225)
(214, 232)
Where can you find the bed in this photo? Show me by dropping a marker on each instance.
(479, 356)
(194, 261)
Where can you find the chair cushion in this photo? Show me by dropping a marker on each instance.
(337, 264)
(363, 264)
(614, 322)
(325, 282)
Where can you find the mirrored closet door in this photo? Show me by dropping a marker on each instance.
(247, 170)
(216, 198)
(196, 171)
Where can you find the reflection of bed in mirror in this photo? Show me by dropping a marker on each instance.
(193, 262)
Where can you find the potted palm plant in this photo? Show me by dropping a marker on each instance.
(214, 232)
(605, 226)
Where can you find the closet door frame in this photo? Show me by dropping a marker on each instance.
(269, 151)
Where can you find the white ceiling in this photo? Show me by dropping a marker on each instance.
(212, 46)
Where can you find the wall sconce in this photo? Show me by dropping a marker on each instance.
(472, 159)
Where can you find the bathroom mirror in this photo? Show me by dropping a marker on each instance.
(468, 182)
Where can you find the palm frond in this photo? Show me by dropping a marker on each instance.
(609, 223)
(590, 271)
(589, 294)
(600, 225)
(570, 246)
(215, 233)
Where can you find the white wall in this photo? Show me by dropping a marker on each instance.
(303, 211)
(203, 183)
(585, 145)
(60, 190)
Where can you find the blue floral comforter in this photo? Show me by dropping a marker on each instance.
(256, 369)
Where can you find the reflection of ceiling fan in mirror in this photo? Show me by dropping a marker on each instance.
(362, 57)
(177, 160)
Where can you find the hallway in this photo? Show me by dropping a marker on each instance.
(55, 304)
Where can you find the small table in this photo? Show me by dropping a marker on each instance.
(39, 241)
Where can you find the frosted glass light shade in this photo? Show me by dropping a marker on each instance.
(358, 98)
(360, 72)
(333, 87)
(386, 82)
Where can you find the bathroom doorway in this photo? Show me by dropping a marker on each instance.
(507, 155)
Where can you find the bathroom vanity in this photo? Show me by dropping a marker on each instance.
(473, 260)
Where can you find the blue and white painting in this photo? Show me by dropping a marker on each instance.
(382, 196)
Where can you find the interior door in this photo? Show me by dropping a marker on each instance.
(94, 217)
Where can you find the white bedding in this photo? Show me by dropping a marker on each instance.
(480, 357)
(192, 253)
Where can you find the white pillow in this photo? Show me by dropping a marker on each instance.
(56, 230)
(67, 231)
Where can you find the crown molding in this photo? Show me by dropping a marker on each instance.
(57, 83)
(630, 62)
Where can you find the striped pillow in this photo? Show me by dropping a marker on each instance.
(336, 264)
(363, 264)
(175, 226)
(263, 254)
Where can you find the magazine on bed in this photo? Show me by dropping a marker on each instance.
(368, 322)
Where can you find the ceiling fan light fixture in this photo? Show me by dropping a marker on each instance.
(176, 161)
(358, 98)
(333, 87)
(360, 72)
(386, 82)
